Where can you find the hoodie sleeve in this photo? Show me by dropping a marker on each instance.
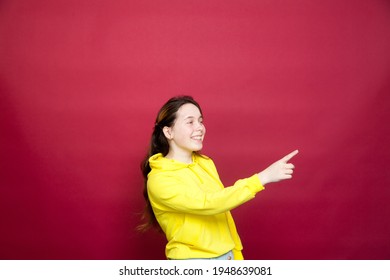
(168, 192)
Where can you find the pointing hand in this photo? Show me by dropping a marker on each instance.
(279, 170)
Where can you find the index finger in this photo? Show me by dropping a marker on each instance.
(290, 156)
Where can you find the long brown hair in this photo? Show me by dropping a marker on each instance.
(159, 144)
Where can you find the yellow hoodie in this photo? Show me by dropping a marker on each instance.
(193, 207)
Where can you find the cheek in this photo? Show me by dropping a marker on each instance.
(183, 133)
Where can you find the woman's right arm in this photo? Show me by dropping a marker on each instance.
(169, 193)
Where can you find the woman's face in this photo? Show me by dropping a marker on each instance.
(187, 134)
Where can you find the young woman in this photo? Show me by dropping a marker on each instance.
(183, 192)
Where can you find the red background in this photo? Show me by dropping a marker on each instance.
(81, 83)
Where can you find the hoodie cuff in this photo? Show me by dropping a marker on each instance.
(254, 184)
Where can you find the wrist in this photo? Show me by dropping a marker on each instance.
(263, 178)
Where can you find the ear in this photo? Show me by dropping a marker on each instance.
(167, 132)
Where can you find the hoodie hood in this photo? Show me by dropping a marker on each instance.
(158, 162)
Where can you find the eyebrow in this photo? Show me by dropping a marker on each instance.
(192, 117)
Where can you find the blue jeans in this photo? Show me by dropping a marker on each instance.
(228, 256)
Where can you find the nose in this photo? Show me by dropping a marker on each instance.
(200, 127)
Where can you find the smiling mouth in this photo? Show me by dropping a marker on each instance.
(200, 137)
